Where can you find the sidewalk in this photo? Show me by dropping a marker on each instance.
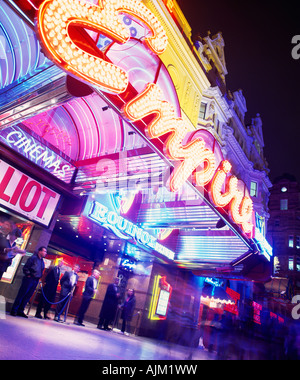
(36, 339)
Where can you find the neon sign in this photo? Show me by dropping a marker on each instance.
(257, 308)
(191, 155)
(116, 223)
(265, 247)
(260, 228)
(22, 194)
(233, 308)
(170, 5)
(38, 153)
(56, 22)
(160, 299)
(58, 26)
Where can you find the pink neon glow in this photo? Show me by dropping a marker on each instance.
(142, 68)
(85, 127)
(51, 126)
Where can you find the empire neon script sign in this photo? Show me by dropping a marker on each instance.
(56, 22)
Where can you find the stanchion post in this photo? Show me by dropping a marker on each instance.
(68, 305)
(34, 296)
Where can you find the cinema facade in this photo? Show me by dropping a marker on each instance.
(121, 148)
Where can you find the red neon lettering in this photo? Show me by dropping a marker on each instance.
(192, 154)
(48, 195)
(223, 199)
(25, 195)
(56, 18)
(4, 183)
(241, 211)
(241, 207)
(18, 190)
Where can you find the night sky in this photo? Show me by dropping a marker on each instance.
(258, 45)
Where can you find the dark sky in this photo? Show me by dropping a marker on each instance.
(258, 48)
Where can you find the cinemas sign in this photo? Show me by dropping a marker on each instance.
(20, 193)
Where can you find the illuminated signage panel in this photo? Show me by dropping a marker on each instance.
(260, 231)
(119, 225)
(36, 152)
(20, 193)
(257, 308)
(160, 299)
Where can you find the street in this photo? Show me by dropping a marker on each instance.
(35, 339)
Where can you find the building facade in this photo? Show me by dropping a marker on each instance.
(145, 170)
(284, 235)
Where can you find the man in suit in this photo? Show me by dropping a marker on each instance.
(49, 290)
(110, 306)
(33, 271)
(68, 283)
(128, 309)
(88, 294)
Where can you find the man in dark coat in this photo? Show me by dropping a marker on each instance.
(110, 306)
(33, 271)
(68, 283)
(49, 290)
(87, 296)
(128, 309)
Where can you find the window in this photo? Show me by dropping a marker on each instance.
(202, 111)
(291, 263)
(283, 204)
(298, 242)
(291, 241)
(253, 189)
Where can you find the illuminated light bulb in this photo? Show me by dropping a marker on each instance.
(191, 155)
(223, 199)
(240, 206)
(55, 18)
(241, 211)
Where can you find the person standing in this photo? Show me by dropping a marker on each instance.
(87, 296)
(110, 306)
(68, 283)
(128, 309)
(49, 290)
(8, 246)
(33, 271)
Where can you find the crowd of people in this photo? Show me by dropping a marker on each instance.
(222, 335)
(33, 272)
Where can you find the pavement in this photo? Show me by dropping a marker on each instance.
(39, 339)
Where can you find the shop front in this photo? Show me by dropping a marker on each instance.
(113, 167)
(28, 207)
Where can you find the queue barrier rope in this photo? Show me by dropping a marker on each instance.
(66, 299)
(52, 303)
(66, 306)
